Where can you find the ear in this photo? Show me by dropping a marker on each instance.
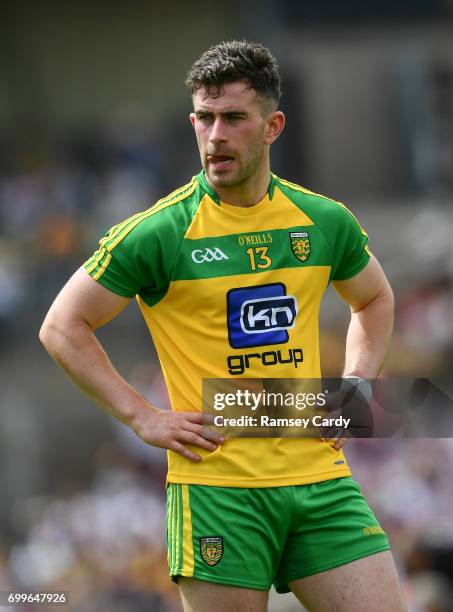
(275, 122)
(192, 119)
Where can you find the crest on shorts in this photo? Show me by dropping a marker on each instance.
(300, 245)
(211, 549)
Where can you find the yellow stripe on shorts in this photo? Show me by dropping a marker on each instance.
(177, 536)
(180, 553)
(187, 546)
(174, 535)
(169, 534)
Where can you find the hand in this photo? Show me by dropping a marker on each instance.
(173, 430)
(340, 442)
(352, 403)
(338, 435)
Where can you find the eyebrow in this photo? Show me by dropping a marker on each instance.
(201, 112)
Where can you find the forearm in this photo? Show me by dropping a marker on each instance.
(368, 337)
(76, 350)
(67, 333)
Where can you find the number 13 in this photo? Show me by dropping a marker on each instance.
(259, 257)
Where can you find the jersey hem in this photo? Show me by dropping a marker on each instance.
(257, 483)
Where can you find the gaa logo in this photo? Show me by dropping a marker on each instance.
(260, 316)
(207, 255)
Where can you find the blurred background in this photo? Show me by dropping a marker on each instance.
(94, 127)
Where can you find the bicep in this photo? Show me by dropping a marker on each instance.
(84, 299)
(368, 285)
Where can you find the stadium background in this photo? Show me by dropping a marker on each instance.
(93, 127)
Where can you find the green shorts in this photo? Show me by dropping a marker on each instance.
(254, 538)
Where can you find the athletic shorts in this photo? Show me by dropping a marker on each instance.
(257, 537)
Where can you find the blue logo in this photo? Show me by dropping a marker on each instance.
(260, 316)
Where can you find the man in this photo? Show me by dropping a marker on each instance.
(242, 513)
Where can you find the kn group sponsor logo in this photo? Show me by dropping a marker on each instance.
(208, 255)
(260, 316)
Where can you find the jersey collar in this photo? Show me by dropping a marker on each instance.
(201, 178)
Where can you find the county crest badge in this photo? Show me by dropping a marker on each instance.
(211, 549)
(300, 245)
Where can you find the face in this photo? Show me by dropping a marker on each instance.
(233, 133)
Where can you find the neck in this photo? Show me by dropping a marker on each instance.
(248, 193)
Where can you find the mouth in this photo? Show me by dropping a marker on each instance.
(220, 161)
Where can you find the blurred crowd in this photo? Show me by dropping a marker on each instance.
(104, 546)
(408, 483)
(58, 196)
(100, 540)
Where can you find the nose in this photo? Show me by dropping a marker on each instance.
(218, 133)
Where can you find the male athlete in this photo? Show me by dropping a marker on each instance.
(203, 263)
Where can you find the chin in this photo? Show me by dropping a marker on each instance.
(221, 182)
(218, 180)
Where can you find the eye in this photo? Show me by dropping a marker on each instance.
(204, 117)
(235, 117)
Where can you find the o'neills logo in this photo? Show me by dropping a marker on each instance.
(254, 239)
(238, 364)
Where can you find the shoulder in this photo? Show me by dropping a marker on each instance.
(168, 216)
(317, 205)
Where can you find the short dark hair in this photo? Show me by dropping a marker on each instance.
(236, 60)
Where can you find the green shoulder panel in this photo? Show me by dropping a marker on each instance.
(345, 238)
(137, 256)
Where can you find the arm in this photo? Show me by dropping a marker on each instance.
(370, 298)
(67, 333)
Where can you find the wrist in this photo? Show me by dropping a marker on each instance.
(139, 413)
(359, 384)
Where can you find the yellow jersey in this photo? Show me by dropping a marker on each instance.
(196, 266)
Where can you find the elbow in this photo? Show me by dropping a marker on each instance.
(389, 299)
(48, 333)
(53, 333)
(59, 332)
(383, 300)
(384, 307)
